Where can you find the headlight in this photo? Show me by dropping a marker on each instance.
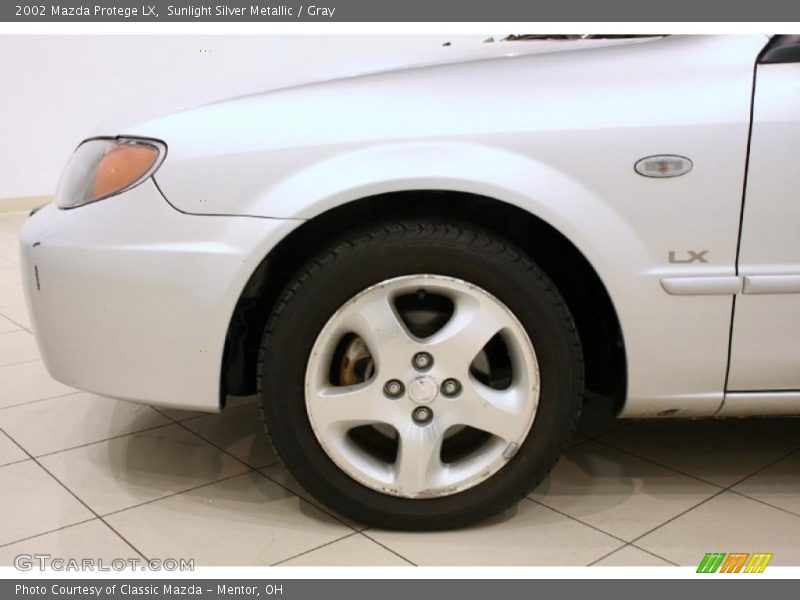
(103, 167)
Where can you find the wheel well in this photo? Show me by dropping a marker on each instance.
(584, 292)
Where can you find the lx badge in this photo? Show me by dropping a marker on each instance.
(692, 257)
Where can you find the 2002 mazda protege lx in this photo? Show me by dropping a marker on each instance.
(420, 271)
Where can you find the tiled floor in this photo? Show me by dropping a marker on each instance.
(84, 476)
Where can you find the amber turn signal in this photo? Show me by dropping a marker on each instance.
(122, 166)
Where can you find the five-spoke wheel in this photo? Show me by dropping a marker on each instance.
(452, 403)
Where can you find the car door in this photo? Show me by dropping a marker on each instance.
(765, 345)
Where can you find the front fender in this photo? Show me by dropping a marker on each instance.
(674, 345)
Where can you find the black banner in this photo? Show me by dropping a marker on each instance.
(399, 11)
(397, 589)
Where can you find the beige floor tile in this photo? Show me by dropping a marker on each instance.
(26, 382)
(778, 485)
(616, 492)
(9, 452)
(17, 347)
(6, 263)
(68, 421)
(240, 432)
(140, 467)
(630, 556)
(178, 414)
(38, 503)
(282, 477)
(6, 325)
(11, 294)
(13, 221)
(354, 550)
(244, 520)
(9, 275)
(727, 523)
(10, 251)
(714, 450)
(92, 539)
(528, 534)
(19, 314)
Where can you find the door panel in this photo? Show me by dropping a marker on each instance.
(765, 348)
(766, 343)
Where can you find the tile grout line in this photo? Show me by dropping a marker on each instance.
(13, 462)
(662, 465)
(680, 514)
(764, 468)
(2, 408)
(761, 470)
(743, 495)
(17, 323)
(100, 441)
(215, 445)
(632, 545)
(160, 410)
(165, 415)
(74, 495)
(607, 554)
(2, 333)
(49, 531)
(170, 495)
(280, 562)
(124, 539)
(385, 547)
(21, 362)
(320, 507)
(261, 473)
(674, 564)
(563, 514)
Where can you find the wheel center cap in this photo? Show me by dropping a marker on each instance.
(423, 389)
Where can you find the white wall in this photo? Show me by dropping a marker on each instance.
(57, 90)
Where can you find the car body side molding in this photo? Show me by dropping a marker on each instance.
(724, 285)
(771, 284)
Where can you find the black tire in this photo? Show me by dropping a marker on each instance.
(390, 250)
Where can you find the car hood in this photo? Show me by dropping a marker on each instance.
(217, 84)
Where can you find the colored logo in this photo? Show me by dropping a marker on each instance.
(735, 562)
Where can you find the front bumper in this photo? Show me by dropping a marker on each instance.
(131, 299)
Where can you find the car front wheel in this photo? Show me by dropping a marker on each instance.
(420, 375)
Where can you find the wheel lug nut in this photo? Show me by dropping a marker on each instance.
(422, 361)
(422, 415)
(451, 387)
(394, 389)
